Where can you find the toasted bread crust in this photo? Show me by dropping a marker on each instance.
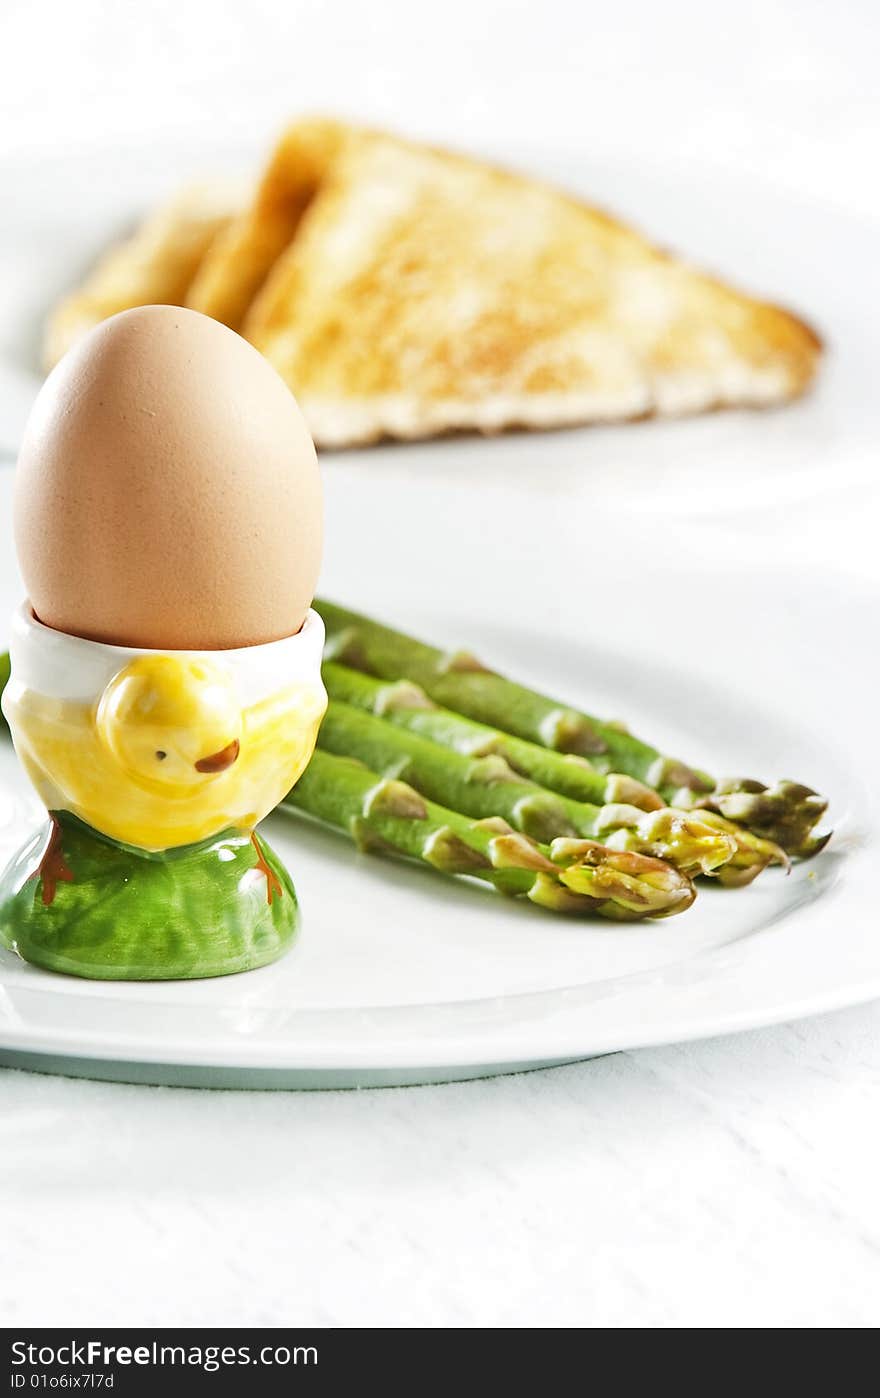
(425, 292)
(242, 257)
(403, 291)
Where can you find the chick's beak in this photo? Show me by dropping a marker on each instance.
(219, 761)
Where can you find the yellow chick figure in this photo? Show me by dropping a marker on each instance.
(170, 720)
(165, 672)
(167, 753)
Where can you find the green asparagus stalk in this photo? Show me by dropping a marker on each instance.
(384, 815)
(785, 814)
(406, 705)
(482, 787)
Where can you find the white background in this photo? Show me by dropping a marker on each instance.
(721, 1184)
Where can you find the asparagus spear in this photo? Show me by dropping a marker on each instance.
(407, 706)
(785, 813)
(565, 773)
(384, 815)
(486, 786)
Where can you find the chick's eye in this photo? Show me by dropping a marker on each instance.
(161, 755)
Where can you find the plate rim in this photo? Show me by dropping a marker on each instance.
(571, 1037)
(658, 1003)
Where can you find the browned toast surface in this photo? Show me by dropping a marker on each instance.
(403, 291)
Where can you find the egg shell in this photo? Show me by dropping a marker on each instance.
(167, 493)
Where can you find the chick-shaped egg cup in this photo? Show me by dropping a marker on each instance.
(165, 688)
(155, 768)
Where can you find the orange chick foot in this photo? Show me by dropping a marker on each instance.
(53, 868)
(273, 883)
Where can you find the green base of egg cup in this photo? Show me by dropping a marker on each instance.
(106, 911)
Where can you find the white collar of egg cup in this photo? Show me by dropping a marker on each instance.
(61, 666)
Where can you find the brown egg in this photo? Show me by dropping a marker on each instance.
(167, 493)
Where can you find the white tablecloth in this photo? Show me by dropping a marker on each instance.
(724, 1183)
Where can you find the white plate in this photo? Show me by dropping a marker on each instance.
(644, 611)
(401, 976)
(816, 258)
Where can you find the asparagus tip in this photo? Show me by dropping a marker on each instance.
(752, 854)
(682, 838)
(784, 814)
(626, 884)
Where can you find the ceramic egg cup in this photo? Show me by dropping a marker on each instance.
(155, 767)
